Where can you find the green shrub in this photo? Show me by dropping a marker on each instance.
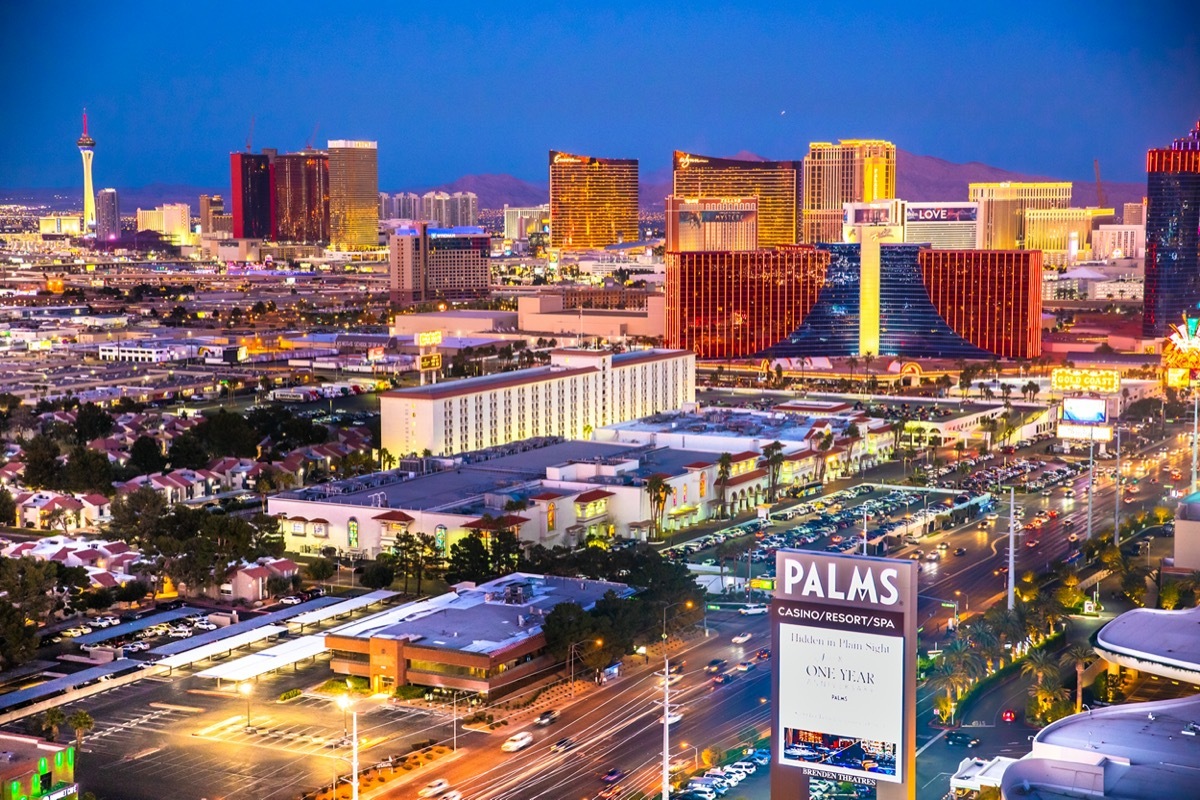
(410, 692)
(289, 694)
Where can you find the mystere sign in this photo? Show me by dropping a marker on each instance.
(844, 635)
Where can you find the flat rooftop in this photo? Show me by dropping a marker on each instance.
(1148, 751)
(19, 754)
(732, 423)
(477, 475)
(486, 619)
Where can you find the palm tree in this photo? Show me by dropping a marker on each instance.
(944, 678)
(1047, 694)
(1039, 664)
(852, 363)
(965, 661)
(823, 447)
(81, 722)
(52, 720)
(656, 489)
(1078, 656)
(773, 453)
(724, 469)
(386, 459)
(1006, 390)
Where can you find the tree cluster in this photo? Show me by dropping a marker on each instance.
(191, 546)
(614, 625)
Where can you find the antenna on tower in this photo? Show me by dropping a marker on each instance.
(1101, 200)
(250, 135)
(309, 144)
(85, 120)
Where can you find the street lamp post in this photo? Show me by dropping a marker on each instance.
(245, 689)
(695, 753)
(666, 752)
(571, 657)
(345, 703)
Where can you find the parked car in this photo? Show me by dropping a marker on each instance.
(291, 600)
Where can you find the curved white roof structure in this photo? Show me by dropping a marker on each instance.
(1140, 751)
(1164, 643)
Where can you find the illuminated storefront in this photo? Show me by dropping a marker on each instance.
(593, 201)
(773, 183)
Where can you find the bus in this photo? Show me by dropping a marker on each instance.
(809, 490)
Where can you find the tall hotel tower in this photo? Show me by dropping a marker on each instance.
(774, 183)
(353, 194)
(87, 148)
(851, 171)
(1172, 233)
(593, 201)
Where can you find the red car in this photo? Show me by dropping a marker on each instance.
(1009, 715)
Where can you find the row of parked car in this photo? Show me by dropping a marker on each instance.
(681, 552)
(717, 782)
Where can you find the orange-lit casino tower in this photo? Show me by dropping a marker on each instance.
(593, 201)
(87, 147)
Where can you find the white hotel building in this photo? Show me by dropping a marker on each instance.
(579, 392)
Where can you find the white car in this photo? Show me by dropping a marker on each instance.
(673, 716)
(746, 767)
(742, 638)
(205, 626)
(518, 741)
(290, 600)
(137, 646)
(752, 610)
(179, 633)
(435, 788)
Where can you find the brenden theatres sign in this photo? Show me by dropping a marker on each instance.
(844, 633)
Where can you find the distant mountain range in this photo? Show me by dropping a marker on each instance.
(920, 178)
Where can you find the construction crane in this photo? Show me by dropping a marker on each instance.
(309, 144)
(1101, 200)
(250, 135)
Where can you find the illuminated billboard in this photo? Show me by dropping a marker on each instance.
(1085, 433)
(429, 361)
(1084, 410)
(428, 338)
(915, 212)
(844, 636)
(1101, 381)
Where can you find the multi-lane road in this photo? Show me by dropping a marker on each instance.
(619, 726)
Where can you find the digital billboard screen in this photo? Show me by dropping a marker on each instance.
(844, 654)
(1084, 410)
(916, 213)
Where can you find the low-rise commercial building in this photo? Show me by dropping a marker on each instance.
(485, 639)
(33, 767)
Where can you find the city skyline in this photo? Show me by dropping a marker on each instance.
(722, 111)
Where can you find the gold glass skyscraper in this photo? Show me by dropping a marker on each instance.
(593, 201)
(1002, 208)
(774, 183)
(851, 171)
(353, 195)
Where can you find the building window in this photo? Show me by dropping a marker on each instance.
(298, 528)
(551, 516)
(439, 538)
(352, 533)
(703, 484)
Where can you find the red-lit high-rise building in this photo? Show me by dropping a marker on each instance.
(991, 298)
(732, 304)
(253, 195)
(302, 196)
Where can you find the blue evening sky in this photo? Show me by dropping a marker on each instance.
(472, 87)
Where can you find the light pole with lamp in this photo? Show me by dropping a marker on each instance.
(571, 657)
(695, 753)
(345, 703)
(666, 707)
(245, 689)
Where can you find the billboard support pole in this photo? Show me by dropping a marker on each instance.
(1012, 544)
(1195, 429)
(864, 531)
(1092, 484)
(1117, 511)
